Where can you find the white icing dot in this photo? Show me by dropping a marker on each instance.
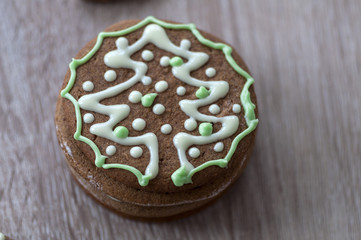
(190, 124)
(135, 97)
(164, 61)
(161, 86)
(210, 72)
(158, 109)
(181, 91)
(146, 80)
(236, 108)
(121, 42)
(185, 44)
(219, 147)
(2, 236)
(214, 109)
(194, 152)
(139, 124)
(166, 129)
(88, 118)
(111, 150)
(88, 86)
(136, 152)
(110, 75)
(147, 55)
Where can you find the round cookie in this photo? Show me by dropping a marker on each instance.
(156, 119)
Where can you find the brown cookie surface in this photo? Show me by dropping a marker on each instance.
(120, 189)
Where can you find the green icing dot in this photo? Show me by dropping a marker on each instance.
(148, 99)
(121, 132)
(176, 61)
(205, 129)
(179, 177)
(202, 92)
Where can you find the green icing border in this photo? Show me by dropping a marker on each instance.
(180, 176)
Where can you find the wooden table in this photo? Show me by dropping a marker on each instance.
(303, 181)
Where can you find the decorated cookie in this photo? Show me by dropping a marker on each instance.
(156, 119)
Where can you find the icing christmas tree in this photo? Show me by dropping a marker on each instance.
(207, 94)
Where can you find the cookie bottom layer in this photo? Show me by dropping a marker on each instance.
(142, 213)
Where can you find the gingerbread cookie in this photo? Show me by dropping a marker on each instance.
(156, 119)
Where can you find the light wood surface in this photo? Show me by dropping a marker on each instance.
(303, 181)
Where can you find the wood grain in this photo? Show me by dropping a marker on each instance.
(303, 181)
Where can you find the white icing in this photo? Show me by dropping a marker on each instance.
(136, 152)
(146, 80)
(161, 86)
(164, 61)
(135, 97)
(2, 236)
(214, 109)
(219, 147)
(110, 75)
(138, 124)
(158, 109)
(236, 108)
(88, 118)
(166, 129)
(115, 199)
(88, 86)
(181, 91)
(194, 152)
(210, 72)
(121, 58)
(68, 149)
(190, 124)
(111, 150)
(147, 55)
(185, 44)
